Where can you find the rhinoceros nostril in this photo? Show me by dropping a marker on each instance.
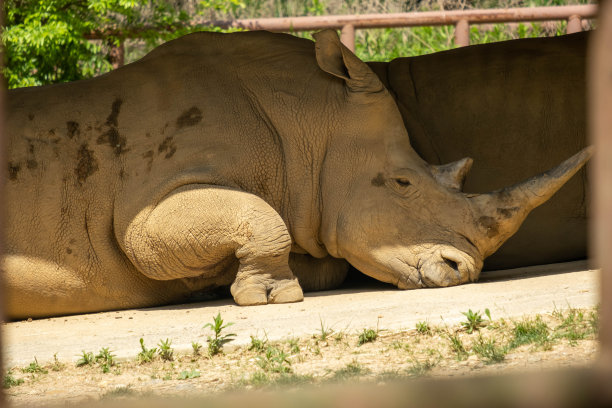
(451, 263)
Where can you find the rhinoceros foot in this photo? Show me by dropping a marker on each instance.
(255, 291)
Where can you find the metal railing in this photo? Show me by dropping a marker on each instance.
(461, 19)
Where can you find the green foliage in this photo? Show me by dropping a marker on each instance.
(196, 348)
(46, 40)
(457, 346)
(352, 370)
(166, 352)
(423, 328)
(274, 360)
(474, 321)
(489, 351)
(531, 331)
(367, 336)
(146, 355)
(34, 368)
(258, 344)
(9, 380)
(87, 358)
(215, 344)
(187, 375)
(106, 359)
(420, 368)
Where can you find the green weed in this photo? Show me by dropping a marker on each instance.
(325, 331)
(187, 375)
(294, 346)
(87, 358)
(216, 343)
(146, 355)
(367, 336)
(196, 347)
(274, 361)
(420, 368)
(423, 328)
(258, 344)
(531, 331)
(10, 381)
(106, 359)
(489, 351)
(165, 351)
(57, 366)
(474, 321)
(457, 346)
(351, 370)
(34, 368)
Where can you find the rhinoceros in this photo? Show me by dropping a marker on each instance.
(258, 161)
(517, 108)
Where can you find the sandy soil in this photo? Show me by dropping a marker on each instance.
(346, 313)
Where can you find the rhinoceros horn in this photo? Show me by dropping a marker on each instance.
(452, 175)
(501, 212)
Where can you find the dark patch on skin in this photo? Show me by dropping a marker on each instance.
(31, 116)
(13, 170)
(112, 136)
(168, 146)
(68, 250)
(31, 164)
(31, 148)
(507, 212)
(379, 180)
(190, 117)
(122, 174)
(51, 133)
(86, 165)
(74, 130)
(73, 241)
(148, 135)
(148, 155)
(490, 225)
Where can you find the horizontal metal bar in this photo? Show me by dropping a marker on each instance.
(425, 18)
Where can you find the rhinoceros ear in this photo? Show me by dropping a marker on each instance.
(334, 58)
(452, 175)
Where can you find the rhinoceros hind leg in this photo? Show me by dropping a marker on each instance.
(195, 228)
(318, 273)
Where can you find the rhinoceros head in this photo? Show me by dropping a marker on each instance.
(396, 217)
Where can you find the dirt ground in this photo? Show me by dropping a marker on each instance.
(313, 342)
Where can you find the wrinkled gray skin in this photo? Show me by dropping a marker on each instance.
(246, 160)
(517, 108)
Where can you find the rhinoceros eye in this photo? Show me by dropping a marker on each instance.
(403, 182)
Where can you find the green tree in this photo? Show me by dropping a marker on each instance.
(49, 41)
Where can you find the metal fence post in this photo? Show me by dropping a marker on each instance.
(574, 24)
(600, 119)
(462, 33)
(347, 36)
(116, 55)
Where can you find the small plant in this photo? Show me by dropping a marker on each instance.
(165, 351)
(106, 359)
(258, 344)
(325, 331)
(34, 368)
(187, 375)
(352, 369)
(419, 369)
(473, 322)
(294, 346)
(423, 328)
(489, 351)
(531, 331)
(274, 361)
(87, 358)
(197, 347)
(215, 344)
(146, 355)
(57, 366)
(9, 381)
(367, 336)
(457, 346)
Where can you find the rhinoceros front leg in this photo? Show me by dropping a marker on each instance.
(196, 229)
